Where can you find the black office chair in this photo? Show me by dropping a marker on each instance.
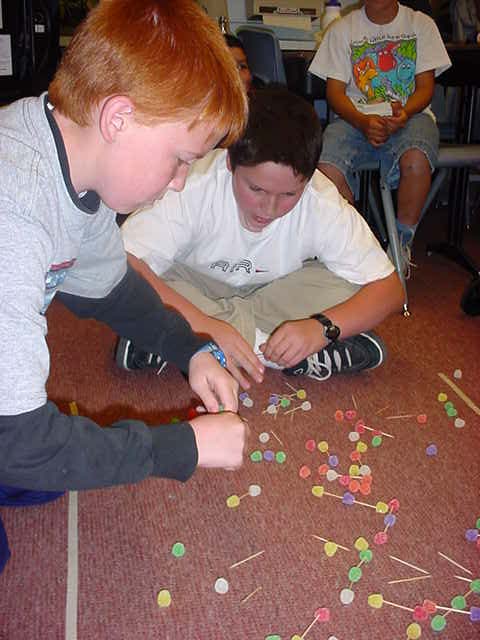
(263, 53)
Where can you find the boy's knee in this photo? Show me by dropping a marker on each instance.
(414, 162)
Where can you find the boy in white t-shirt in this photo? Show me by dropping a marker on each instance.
(380, 63)
(257, 244)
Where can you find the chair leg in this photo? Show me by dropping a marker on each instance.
(393, 239)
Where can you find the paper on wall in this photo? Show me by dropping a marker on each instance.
(6, 68)
(293, 22)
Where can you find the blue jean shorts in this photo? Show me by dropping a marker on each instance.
(347, 148)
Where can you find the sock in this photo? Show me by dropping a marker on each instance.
(406, 232)
(260, 338)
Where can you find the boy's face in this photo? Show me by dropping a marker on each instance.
(242, 66)
(147, 161)
(265, 192)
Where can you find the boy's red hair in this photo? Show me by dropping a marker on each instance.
(167, 56)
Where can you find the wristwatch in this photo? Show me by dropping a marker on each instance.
(214, 349)
(330, 330)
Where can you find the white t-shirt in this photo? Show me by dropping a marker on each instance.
(379, 62)
(200, 228)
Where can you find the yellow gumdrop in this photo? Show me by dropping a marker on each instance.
(361, 447)
(164, 598)
(317, 490)
(233, 501)
(323, 446)
(296, 637)
(301, 394)
(354, 470)
(375, 600)
(330, 548)
(414, 631)
(381, 507)
(361, 544)
(442, 397)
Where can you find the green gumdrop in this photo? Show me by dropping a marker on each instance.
(438, 623)
(475, 585)
(285, 402)
(366, 555)
(354, 574)
(477, 525)
(448, 405)
(273, 637)
(376, 441)
(280, 457)
(256, 456)
(452, 412)
(458, 602)
(178, 550)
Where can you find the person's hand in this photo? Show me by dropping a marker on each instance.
(240, 356)
(221, 440)
(294, 341)
(374, 128)
(398, 119)
(212, 383)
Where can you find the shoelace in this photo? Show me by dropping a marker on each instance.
(323, 370)
(406, 251)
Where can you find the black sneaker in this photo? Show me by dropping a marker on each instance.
(365, 351)
(129, 357)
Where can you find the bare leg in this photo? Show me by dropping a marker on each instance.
(415, 180)
(337, 177)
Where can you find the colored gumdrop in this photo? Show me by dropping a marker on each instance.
(353, 436)
(458, 602)
(375, 600)
(366, 555)
(360, 426)
(420, 613)
(452, 412)
(350, 414)
(354, 486)
(269, 455)
(365, 488)
(285, 402)
(475, 585)
(330, 548)
(322, 614)
(304, 472)
(254, 490)
(332, 475)
(164, 599)
(354, 574)
(390, 519)
(344, 480)
(376, 441)
(306, 405)
(273, 399)
(333, 461)
(323, 469)
(429, 606)
(361, 447)
(414, 631)
(256, 456)
(322, 446)
(381, 507)
(438, 623)
(317, 490)
(348, 498)
(380, 537)
(301, 394)
(354, 470)
(355, 456)
(233, 501)
(431, 450)
(442, 397)
(338, 415)
(474, 614)
(310, 445)
(459, 423)
(264, 437)
(394, 505)
(360, 544)
(422, 418)
(280, 457)
(346, 596)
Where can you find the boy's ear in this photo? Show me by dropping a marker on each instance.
(116, 113)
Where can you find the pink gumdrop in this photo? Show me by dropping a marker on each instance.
(322, 614)
(310, 445)
(394, 505)
(380, 537)
(360, 427)
(355, 456)
(429, 606)
(304, 472)
(350, 414)
(322, 469)
(344, 480)
(420, 613)
(422, 418)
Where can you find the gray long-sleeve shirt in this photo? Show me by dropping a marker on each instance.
(52, 240)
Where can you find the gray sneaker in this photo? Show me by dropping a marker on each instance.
(131, 358)
(364, 351)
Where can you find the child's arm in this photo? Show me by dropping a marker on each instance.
(295, 340)
(419, 99)
(372, 126)
(238, 352)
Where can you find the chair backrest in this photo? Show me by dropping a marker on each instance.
(263, 53)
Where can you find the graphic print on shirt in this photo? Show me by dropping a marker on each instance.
(384, 70)
(54, 277)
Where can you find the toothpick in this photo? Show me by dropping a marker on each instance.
(308, 628)
(353, 400)
(290, 387)
(460, 393)
(250, 595)
(325, 540)
(408, 415)
(255, 555)
(292, 410)
(462, 578)
(453, 562)
(381, 410)
(450, 609)
(412, 566)
(388, 435)
(399, 606)
(409, 579)
(276, 437)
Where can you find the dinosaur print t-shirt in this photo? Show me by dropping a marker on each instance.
(378, 63)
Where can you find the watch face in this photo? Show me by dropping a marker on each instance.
(332, 332)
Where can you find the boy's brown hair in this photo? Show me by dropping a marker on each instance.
(167, 56)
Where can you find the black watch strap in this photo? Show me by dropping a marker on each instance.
(330, 330)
